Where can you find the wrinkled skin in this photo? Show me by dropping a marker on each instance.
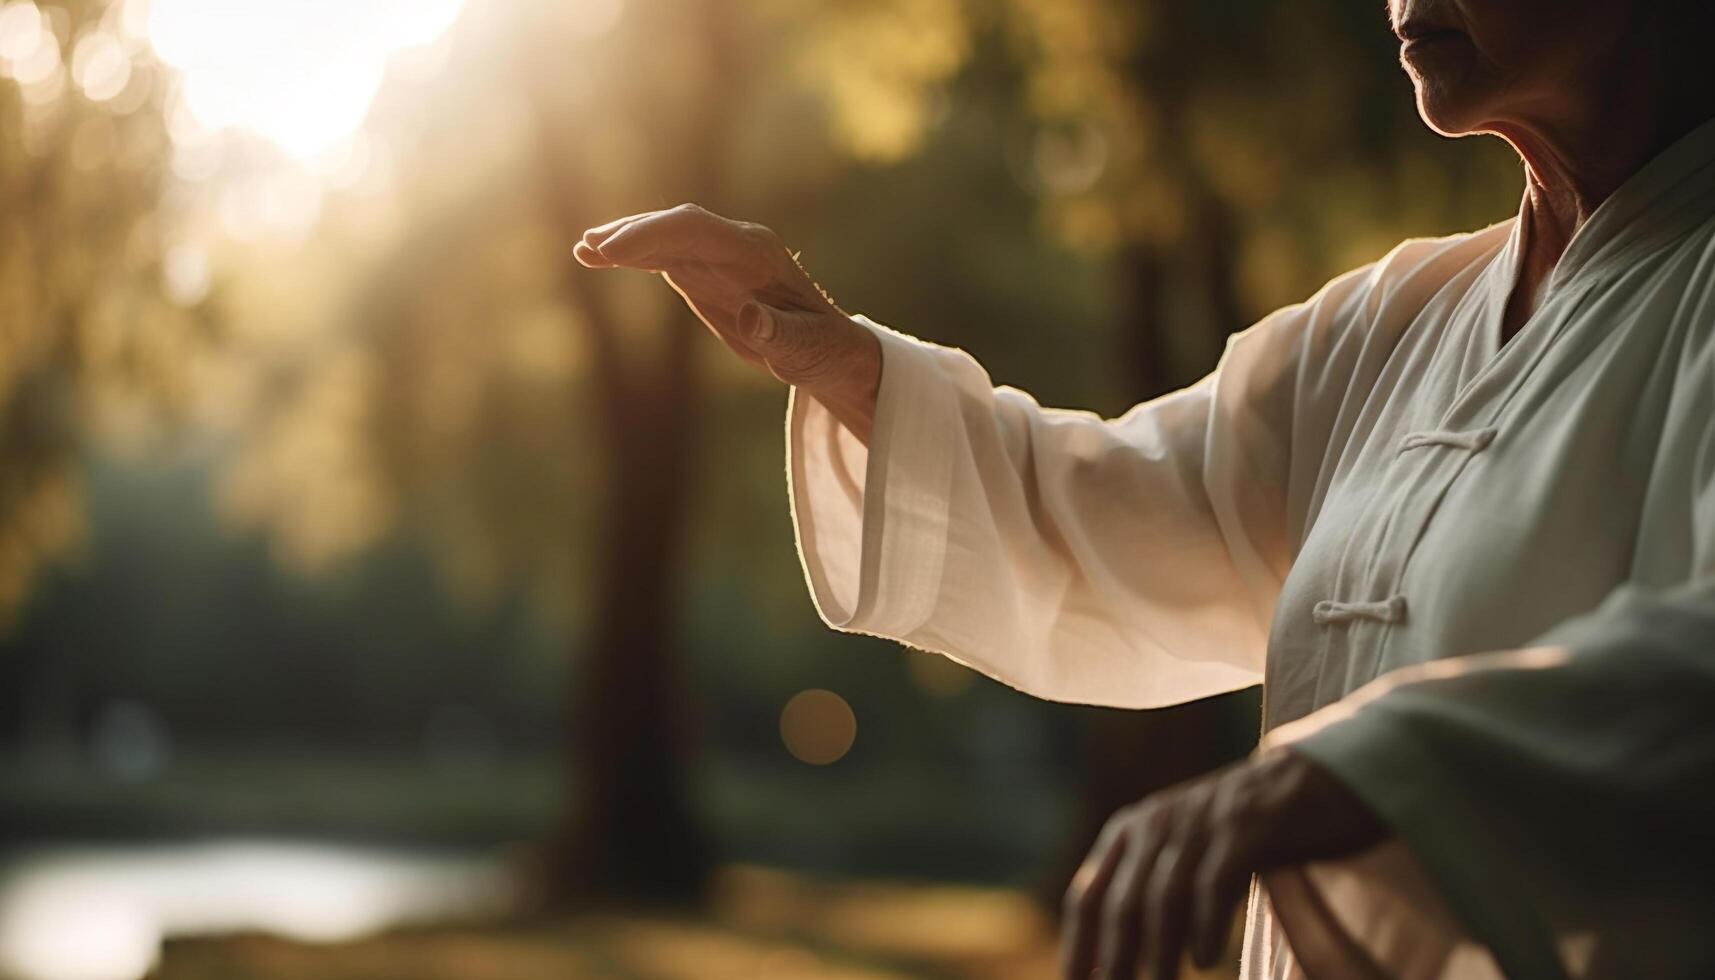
(1166, 874)
(1586, 91)
(1509, 66)
(746, 287)
(1166, 870)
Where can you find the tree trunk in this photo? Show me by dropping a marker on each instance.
(1144, 352)
(631, 834)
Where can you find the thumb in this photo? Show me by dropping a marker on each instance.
(758, 323)
(799, 347)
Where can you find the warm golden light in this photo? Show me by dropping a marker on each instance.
(818, 727)
(101, 913)
(300, 74)
(100, 66)
(29, 52)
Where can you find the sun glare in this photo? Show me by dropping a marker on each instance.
(301, 74)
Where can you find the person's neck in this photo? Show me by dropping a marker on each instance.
(1578, 154)
(1568, 174)
(1577, 157)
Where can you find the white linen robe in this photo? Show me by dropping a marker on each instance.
(1369, 481)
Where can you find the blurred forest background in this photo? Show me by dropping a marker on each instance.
(362, 555)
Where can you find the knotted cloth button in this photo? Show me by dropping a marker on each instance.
(1389, 610)
(1470, 440)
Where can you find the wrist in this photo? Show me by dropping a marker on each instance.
(851, 393)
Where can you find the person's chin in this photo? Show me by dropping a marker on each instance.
(1451, 108)
(1449, 80)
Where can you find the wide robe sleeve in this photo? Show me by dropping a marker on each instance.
(1560, 800)
(1132, 562)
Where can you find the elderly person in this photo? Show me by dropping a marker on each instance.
(1483, 466)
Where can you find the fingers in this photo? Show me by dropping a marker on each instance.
(595, 236)
(1221, 883)
(1131, 902)
(585, 250)
(686, 231)
(1177, 874)
(645, 235)
(1172, 869)
(1085, 899)
(1117, 946)
(712, 261)
(1168, 895)
(589, 257)
(588, 250)
(718, 266)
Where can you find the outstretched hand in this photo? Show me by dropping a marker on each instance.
(1166, 874)
(741, 281)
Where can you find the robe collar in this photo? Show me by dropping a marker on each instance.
(1666, 198)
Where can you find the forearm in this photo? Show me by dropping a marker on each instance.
(1534, 784)
(976, 523)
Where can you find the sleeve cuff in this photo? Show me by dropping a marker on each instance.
(871, 524)
(1371, 743)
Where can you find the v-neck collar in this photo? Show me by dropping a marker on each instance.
(1504, 272)
(1669, 195)
(1665, 198)
(1491, 367)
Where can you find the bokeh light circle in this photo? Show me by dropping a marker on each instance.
(818, 727)
(100, 66)
(21, 28)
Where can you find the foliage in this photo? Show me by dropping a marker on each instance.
(1277, 135)
(90, 340)
(449, 391)
(456, 400)
(413, 368)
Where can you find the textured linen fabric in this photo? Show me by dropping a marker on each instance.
(1369, 481)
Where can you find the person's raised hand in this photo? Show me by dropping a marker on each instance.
(1166, 874)
(742, 281)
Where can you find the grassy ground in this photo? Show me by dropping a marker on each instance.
(763, 925)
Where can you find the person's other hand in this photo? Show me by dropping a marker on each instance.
(744, 283)
(1168, 872)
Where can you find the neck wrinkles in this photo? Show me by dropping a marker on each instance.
(1602, 128)
(1660, 186)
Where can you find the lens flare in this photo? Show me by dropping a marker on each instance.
(818, 727)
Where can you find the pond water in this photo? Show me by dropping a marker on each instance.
(101, 912)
